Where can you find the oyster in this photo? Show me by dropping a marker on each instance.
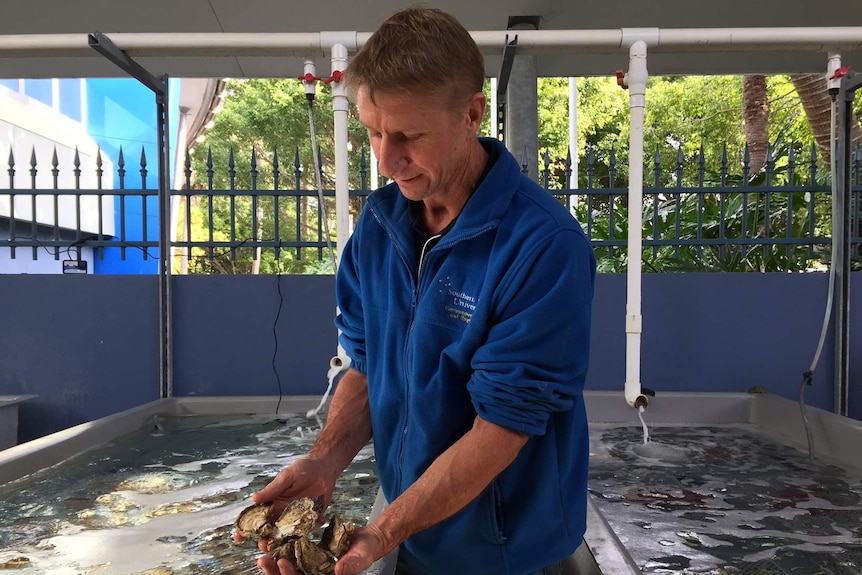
(336, 536)
(311, 559)
(254, 521)
(298, 519)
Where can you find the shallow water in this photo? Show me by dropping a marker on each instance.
(162, 500)
(726, 500)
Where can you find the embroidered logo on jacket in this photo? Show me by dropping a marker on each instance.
(459, 305)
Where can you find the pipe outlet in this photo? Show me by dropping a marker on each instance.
(337, 364)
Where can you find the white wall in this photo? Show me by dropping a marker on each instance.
(27, 125)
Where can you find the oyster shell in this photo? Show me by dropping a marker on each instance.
(254, 521)
(336, 536)
(305, 556)
(298, 519)
(311, 559)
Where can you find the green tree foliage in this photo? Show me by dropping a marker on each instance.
(691, 122)
(268, 118)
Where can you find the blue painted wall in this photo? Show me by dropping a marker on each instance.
(225, 334)
(88, 346)
(121, 114)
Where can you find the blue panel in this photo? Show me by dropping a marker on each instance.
(39, 89)
(11, 84)
(86, 345)
(717, 332)
(225, 339)
(121, 113)
(70, 98)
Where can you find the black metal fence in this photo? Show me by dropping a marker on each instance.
(694, 217)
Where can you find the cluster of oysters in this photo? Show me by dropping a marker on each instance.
(288, 536)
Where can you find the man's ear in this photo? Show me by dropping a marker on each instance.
(476, 110)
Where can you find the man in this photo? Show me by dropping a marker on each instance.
(465, 297)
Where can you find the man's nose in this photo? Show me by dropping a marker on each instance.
(391, 157)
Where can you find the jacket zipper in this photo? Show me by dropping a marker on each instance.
(414, 303)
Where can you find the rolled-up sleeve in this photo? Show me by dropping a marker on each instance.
(534, 361)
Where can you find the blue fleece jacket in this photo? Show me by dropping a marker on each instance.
(494, 322)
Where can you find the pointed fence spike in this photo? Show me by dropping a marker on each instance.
(121, 161)
(33, 158)
(275, 159)
(76, 161)
(209, 158)
(143, 157)
(11, 159)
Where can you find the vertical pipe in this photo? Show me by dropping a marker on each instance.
(573, 128)
(342, 167)
(637, 79)
(493, 108)
(375, 175)
(343, 223)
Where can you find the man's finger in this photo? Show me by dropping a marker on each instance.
(269, 567)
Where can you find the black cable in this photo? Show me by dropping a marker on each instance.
(275, 338)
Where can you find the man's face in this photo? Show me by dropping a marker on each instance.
(422, 141)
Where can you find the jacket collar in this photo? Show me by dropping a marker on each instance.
(482, 212)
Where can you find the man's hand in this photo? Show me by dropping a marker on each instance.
(367, 545)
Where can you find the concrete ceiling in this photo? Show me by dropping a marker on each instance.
(283, 16)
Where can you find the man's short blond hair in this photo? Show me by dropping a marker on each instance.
(416, 50)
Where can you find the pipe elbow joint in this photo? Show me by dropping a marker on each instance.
(641, 401)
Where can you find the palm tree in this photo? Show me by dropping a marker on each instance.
(816, 102)
(756, 115)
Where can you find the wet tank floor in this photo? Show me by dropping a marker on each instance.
(162, 500)
(725, 500)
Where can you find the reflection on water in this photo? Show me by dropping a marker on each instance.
(162, 500)
(736, 503)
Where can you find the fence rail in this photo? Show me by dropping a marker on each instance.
(694, 218)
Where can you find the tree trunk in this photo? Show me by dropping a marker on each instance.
(814, 95)
(756, 116)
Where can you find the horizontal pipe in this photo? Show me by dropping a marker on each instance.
(309, 44)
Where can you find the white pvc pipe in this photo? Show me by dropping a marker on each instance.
(343, 222)
(310, 44)
(636, 80)
(375, 175)
(573, 139)
(340, 107)
(493, 109)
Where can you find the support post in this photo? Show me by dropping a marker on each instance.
(509, 50)
(159, 85)
(841, 230)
